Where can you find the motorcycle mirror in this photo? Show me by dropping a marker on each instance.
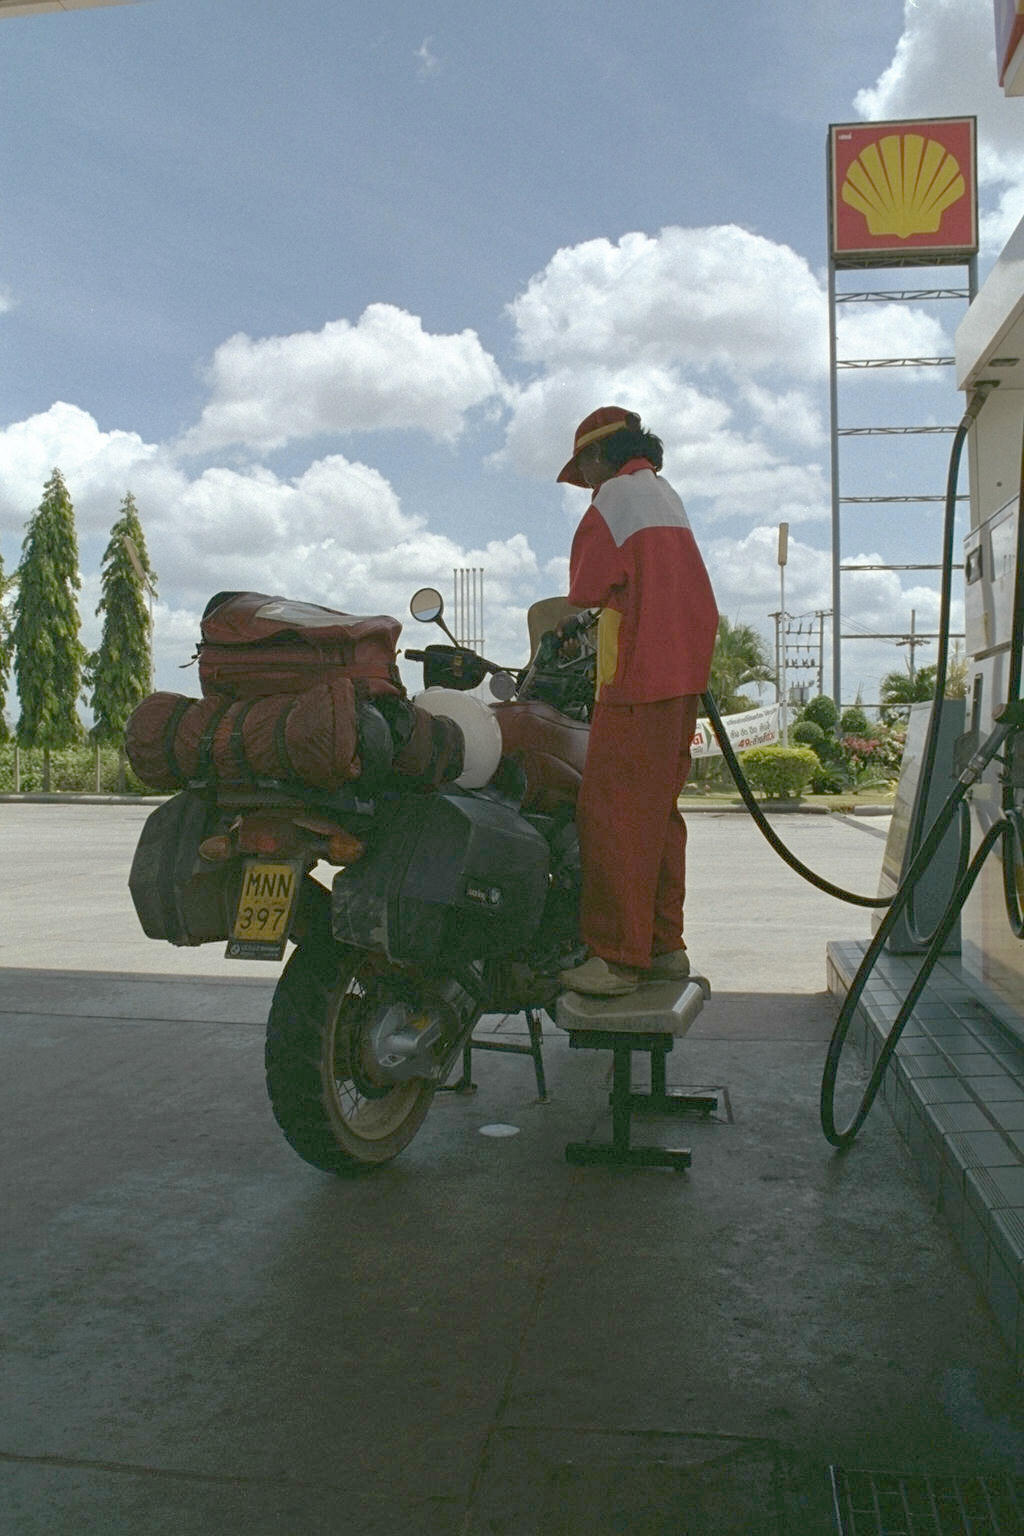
(503, 686)
(427, 605)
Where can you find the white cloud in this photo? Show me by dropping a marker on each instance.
(791, 413)
(66, 437)
(546, 411)
(427, 61)
(889, 330)
(726, 339)
(745, 574)
(944, 66)
(699, 315)
(385, 371)
(334, 534)
(716, 298)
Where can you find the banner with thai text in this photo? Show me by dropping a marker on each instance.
(753, 728)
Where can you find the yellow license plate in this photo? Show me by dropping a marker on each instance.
(263, 915)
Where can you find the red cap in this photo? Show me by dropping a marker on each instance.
(600, 423)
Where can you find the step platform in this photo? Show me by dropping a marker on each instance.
(649, 1020)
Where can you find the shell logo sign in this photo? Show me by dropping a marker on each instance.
(903, 190)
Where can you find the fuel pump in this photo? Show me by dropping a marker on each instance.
(984, 812)
(990, 347)
(987, 801)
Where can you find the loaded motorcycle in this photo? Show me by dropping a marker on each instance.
(457, 879)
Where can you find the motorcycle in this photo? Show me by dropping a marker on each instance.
(447, 903)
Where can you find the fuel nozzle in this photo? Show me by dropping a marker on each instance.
(979, 394)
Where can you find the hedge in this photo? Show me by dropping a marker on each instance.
(780, 772)
(72, 771)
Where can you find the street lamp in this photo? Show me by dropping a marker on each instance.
(783, 557)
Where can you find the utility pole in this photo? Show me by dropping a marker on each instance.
(783, 556)
(912, 641)
(821, 614)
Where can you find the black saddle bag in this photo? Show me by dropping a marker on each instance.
(178, 896)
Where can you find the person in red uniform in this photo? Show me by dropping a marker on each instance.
(634, 556)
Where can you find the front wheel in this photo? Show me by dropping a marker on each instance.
(319, 1071)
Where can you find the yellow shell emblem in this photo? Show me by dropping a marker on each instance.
(903, 184)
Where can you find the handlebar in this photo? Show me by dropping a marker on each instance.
(489, 666)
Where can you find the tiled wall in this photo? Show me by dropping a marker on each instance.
(955, 1089)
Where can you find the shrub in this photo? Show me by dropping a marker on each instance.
(831, 750)
(888, 753)
(823, 712)
(779, 772)
(830, 779)
(807, 732)
(854, 722)
(72, 771)
(864, 747)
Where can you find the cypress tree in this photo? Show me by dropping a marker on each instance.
(48, 655)
(121, 670)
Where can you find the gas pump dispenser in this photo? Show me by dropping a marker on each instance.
(990, 356)
(986, 804)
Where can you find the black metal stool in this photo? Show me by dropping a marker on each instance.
(650, 1021)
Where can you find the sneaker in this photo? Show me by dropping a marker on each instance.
(600, 978)
(674, 965)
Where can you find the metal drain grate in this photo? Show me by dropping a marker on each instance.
(891, 1504)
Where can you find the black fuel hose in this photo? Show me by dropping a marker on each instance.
(1007, 830)
(917, 834)
(764, 825)
(917, 827)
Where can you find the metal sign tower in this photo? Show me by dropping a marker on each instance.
(901, 194)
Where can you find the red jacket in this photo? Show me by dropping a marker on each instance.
(635, 557)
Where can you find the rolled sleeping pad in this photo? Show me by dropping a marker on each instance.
(479, 726)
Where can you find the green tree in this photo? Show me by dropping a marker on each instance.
(120, 671)
(854, 722)
(740, 657)
(48, 656)
(898, 690)
(823, 712)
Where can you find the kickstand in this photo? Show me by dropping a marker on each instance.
(466, 1084)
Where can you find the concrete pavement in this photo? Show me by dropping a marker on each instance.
(204, 1335)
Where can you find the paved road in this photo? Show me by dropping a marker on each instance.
(751, 923)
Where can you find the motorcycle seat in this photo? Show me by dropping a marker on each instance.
(549, 747)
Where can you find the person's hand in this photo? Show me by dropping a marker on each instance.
(568, 631)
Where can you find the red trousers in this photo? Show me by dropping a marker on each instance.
(632, 837)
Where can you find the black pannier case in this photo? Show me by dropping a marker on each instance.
(177, 895)
(452, 877)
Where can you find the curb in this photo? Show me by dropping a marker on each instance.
(71, 798)
(786, 808)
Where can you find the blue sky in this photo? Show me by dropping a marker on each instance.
(328, 287)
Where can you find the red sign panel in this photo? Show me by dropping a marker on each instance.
(903, 188)
(1009, 16)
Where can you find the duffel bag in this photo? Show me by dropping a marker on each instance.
(310, 737)
(254, 645)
